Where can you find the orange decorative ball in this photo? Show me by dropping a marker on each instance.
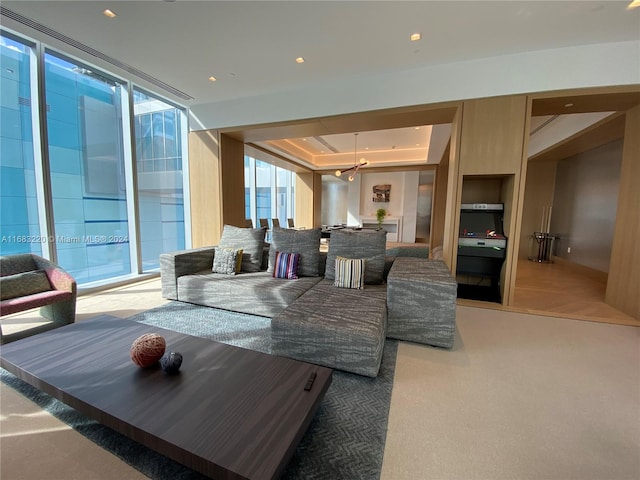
(147, 349)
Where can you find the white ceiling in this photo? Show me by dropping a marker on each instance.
(251, 46)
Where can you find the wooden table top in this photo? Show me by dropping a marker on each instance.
(229, 413)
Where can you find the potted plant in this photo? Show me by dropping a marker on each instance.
(380, 214)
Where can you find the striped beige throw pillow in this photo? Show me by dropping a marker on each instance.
(349, 272)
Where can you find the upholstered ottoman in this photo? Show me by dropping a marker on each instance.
(336, 327)
(421, 302)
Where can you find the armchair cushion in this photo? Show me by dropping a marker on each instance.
(25, 283)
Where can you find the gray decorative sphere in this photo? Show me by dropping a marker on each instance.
(170, 362)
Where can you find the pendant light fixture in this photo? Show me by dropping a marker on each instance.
(356, 164)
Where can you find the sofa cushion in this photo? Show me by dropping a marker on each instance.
(304, 242)
(349, 272)
(367, 244)
(254, 293)
(22, 284)
(250, 240)
(286, 265)
(339, 328)
(225, 260)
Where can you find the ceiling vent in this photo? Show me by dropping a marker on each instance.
(5, 12)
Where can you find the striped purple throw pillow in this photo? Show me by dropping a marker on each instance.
(349, 272)
(286, 265)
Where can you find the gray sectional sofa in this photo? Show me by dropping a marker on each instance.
(312, 319)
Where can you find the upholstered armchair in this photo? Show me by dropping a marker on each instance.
(29, 281)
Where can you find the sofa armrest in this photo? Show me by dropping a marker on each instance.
(58, 277)
(183, 262)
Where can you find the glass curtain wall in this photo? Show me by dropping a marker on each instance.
(160, 183)
(19, 214)
(87, 161)
(269, 192)
(263, 191)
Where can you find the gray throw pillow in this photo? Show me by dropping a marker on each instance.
(367, 244)
(304, 242)
(250, 240)
(225, 260)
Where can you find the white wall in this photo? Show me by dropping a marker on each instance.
(410, 207)
(395, 206)
(585, 204)
(334, 203)
(403, 199)
(554, 69)
(353, 207)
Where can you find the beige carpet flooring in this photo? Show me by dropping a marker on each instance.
(519, 397)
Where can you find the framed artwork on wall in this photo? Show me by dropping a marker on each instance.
(381, 193)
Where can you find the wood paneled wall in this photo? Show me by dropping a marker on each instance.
(492, 135)
(232, 168)
(304, 200)
(205, 185)
(439, 203)
(493, 138)
(317, 200)
(623, 286)
(452, 205)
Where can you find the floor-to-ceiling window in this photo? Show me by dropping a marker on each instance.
(19, 214)
(158, 135)
(69, 182)
(249, 180)
(86, 165)
(269, 192)
(263, 190)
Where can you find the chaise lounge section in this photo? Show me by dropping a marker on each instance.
(333, 327)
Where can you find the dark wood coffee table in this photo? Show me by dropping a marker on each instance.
(229, 413)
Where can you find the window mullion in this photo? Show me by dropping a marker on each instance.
(41, 156)
(131, 177)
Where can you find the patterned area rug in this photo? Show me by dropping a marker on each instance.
(345, 439)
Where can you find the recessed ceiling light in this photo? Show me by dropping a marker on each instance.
(109, 13)
(417, 128)
(300, 60)
(417, 144)
(568, 105)
(415, 37)
(634, 4)
(304, 139)
(212, 78)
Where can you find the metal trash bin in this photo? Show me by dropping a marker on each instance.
(541, 247)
